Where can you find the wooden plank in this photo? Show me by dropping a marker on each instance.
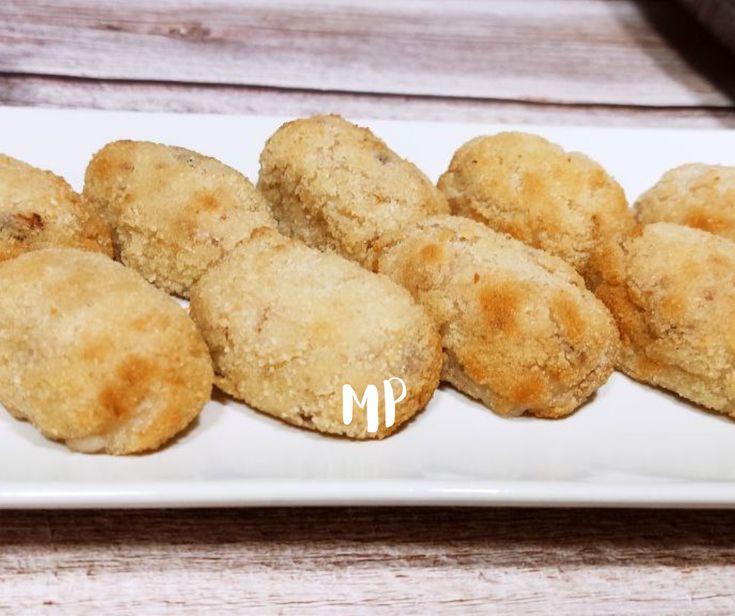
(581, 51)
(142, 96)
(383, 560)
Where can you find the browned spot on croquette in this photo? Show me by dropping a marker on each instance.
(205, 201)
(130, 385)
(33, 220)
(529, 391)
(431, 253)
(598, 178)
(673, 307)
(500, 303)
(109, 166)
(566, 313)
(701, 220)
(96, 348)
(83, 282)
(717, 261)
(533, 185)
(645, 368)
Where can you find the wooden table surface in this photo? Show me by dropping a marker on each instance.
(614, 62)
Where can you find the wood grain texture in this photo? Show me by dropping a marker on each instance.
(378, 560)
(579, 51)
(31, 90)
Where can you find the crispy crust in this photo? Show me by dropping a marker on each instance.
(94, 356)
(530, 188)
(520, 332)
(673, 296)
(39, 210)
(173, 212)
(287, 326)
(695, 195)
(338, 187)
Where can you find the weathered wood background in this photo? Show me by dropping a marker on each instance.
(569, 61)
(347, 561)
(529, 60)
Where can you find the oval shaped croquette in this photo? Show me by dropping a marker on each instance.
(40, 210)
(173, 212)
(338, 187)
(523, 185)
(674, 300)
(94, 356)
(695, 195)
(288, 327)
(519, 329)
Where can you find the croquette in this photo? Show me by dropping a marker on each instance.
(674, 300)
(520, 331)
(40, 210)
(94, 356)
(173, 212)
(532, 189)
(337, 187)
(288, 327)
(695, 195)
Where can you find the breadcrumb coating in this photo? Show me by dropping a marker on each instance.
(39, 210)
(519, 329)
(673, 296)
(94, 356)
(173, 212)
(695, 195)
(338, 187)
(532, 189)
(288, 326)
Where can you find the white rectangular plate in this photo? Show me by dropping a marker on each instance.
(630, 446)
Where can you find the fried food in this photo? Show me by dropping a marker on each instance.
(695, 195)
(338, 187)
(532, 189)
(520, 332)
(674, 300)
(519, 329)
(94, 356)
(173, 212)
(289, 326)
(39, 210)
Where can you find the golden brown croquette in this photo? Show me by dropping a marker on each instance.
(673, 296)
(40, 210)
(695, 195)
(173, 212)
(94, 356)
(289, 326)
(519, 329)
(338, 187)
(530, 188)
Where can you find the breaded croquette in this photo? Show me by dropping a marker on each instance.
(524, 185)
(674, 301)
(173, 212)
(288, 327)
(94, 356)
(695, 195)
(519, 329)
(39, 210)
(338, 187)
